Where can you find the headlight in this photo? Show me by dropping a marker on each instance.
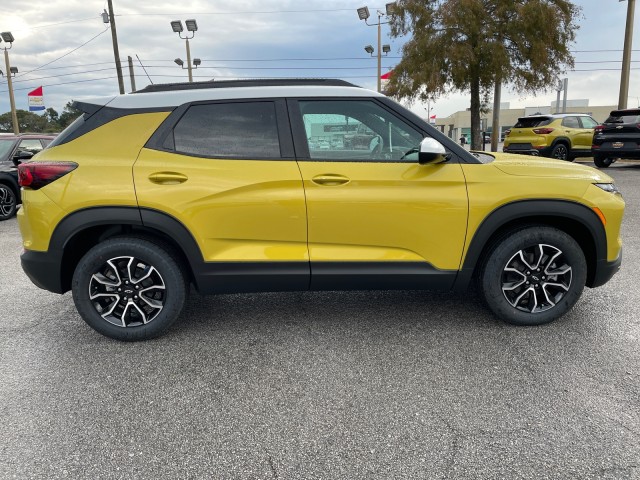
(608, 187)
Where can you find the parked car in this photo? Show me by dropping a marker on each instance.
(563, 136)
(617, 137)
(214, 184)
(13, 150)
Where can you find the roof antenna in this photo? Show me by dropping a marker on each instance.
(145, 70)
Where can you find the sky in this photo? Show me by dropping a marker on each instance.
(64, 46)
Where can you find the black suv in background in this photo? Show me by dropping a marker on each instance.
(15, 149)
(618, 137)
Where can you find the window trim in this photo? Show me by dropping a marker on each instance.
(164, 132)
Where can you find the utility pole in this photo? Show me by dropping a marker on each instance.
(626, 56)
(7, 37)
(116, 52)
(131, 75)
(565, 84)
(495, 122)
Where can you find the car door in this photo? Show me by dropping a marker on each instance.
(376, 218)
(580, 140)
(227, 172)
(588, 125)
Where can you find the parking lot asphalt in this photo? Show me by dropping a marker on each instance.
(362, 385)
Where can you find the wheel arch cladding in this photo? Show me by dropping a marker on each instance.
(81, 230)
(575, 219)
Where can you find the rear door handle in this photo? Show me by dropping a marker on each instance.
(330, 179)
(168, 178)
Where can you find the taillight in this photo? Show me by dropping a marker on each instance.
(542, 131)
(599, 129)
(507, 132)
(35, 175)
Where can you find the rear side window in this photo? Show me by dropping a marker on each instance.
(32, 145)
(570, 122)
(532, 122)
(237, 129)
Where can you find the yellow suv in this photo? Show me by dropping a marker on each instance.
(564, 136)
(250, 186)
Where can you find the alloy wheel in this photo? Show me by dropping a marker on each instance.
(127, 292)
(536, 278)
(7, 201)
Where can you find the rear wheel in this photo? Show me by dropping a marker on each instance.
(129, 288)
(560, 151)
(8, 202)
(602, 162)
(533, 276)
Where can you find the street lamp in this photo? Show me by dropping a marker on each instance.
(626, 56)
(363, 14)
(192, 26)
(180, 63)
(8, 38)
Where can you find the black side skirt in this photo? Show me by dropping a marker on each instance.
(239, 277)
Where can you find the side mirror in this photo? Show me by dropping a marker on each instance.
(21, 156)
(431, 151)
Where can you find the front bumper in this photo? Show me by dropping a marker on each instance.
(605, 270)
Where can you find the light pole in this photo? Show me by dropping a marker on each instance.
(626, 56)
(192, 27)
(8, 38)
(196, 64)
(363, 14)
(110, 18)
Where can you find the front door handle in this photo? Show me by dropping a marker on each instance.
(330, 179)
(168, 178)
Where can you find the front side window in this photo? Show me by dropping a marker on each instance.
(356, 130)
(588, 122)
(237, 129)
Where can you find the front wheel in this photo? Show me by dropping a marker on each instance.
(533, 276)
(8, 202)
(129, 288)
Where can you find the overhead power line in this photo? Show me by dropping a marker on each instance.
(66, 54)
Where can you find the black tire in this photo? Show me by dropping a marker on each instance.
(8, 202)
(129, 288)
(554, 283)
(602, 162)
(560, 151)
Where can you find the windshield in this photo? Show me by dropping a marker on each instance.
(623, 119)
(6, 145)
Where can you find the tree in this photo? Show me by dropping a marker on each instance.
(69, 114)
(471, 45)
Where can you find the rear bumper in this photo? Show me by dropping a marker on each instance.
(44, 269)
(522, 151)
(616, 152)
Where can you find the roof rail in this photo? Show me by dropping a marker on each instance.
(267, 82)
